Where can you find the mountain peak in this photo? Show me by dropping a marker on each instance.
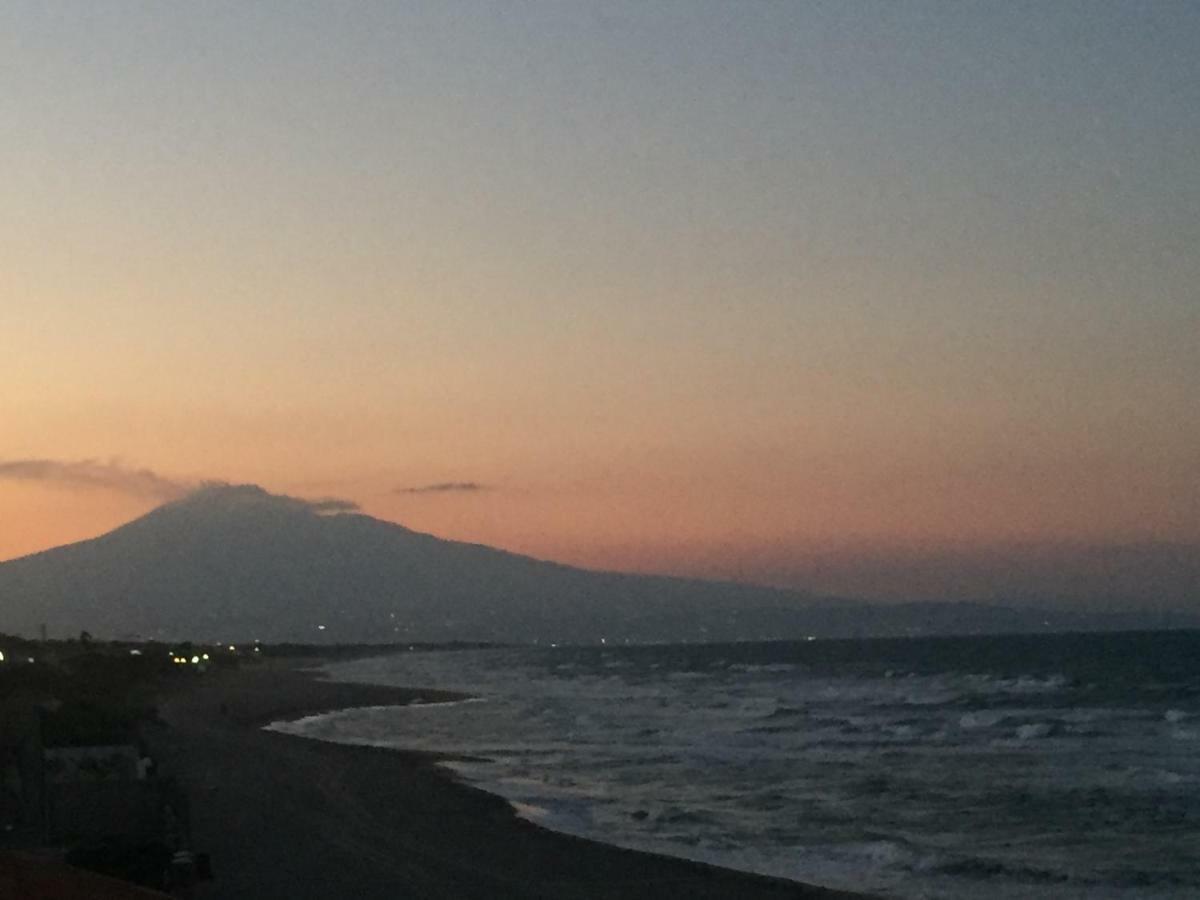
(223, 497)
(223, 492)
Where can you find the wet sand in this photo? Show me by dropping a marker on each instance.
(288, 817)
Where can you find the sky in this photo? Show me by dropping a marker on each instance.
(689, 287)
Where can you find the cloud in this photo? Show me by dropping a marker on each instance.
(88, 474)
(331, 506)
(224, 492)
(91, 474)
(444, 487)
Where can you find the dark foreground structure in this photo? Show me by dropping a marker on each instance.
(25, 876)
(78, 787)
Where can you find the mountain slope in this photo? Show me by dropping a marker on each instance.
(234, 563)
(239, 562)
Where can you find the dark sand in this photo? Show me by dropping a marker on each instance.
(288, 817)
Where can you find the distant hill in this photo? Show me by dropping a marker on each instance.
(236, 563)
(1098, 577)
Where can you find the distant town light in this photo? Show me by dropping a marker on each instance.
(135, 652)
(232, 649)
(1, 656)
(320, 628)
(205, 656)
(31, 659)
(195, 660)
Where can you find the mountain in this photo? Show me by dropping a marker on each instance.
(238, 563)
(1098, 577)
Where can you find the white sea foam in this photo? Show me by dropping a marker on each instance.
(981, 719)
(1034, 730)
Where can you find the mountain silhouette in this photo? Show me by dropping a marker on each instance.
(234, 562)
(238, 562)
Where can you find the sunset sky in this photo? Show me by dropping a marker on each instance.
(713, 288)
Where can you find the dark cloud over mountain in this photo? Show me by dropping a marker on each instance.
(332, 505)
(92, 474)
(88, 474)
(444, 487)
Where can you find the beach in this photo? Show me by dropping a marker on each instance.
(285, 816)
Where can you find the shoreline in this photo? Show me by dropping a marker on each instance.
(286, 815)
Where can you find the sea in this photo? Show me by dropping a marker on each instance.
(1049, 766)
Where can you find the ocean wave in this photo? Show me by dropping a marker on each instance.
(688, 676)
(767, 668)
(785, 712)
(910, 783)
(1153, 878)
(984, 869)
(882, 854)
(1022, 684)
(781, 728)
(980, 719)
(676, 815)
(1033, 730)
